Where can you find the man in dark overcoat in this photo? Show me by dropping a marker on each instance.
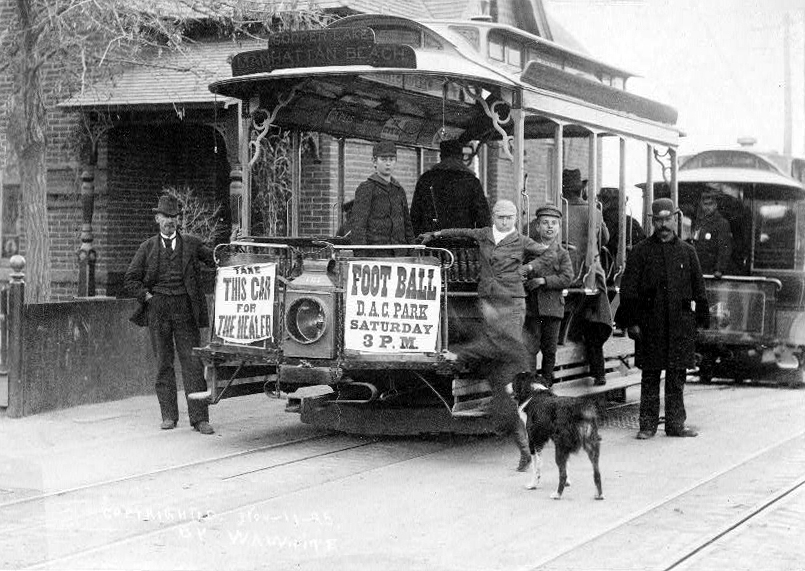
(663, 299)
(165, 277)
(449, 195)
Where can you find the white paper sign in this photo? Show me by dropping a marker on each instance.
(244, 302)
(392, 307)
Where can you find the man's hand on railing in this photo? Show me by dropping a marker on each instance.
(425, 237)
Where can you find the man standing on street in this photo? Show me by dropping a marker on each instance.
(663, 299)
(165, 278)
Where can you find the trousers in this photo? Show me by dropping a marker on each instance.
(675, 415)
(173, 328)
(542, 335)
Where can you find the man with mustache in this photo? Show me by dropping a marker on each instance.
(663, 299)
(165, 277)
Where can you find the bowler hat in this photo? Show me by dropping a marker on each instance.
(548, 210)
(451, 148)
(571, 180)
(384, 149)
(167, 205)
(663, 208)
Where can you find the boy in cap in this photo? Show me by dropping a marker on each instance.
(712, 237)
(380, 212)
(662, 301)
(548, 274)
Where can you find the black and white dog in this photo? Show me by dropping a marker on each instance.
(571, 424)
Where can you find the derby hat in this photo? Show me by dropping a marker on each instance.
(451, 148)
(384, 149)
(663, 208)
(548, 210)
(571, 180)
(167, 205)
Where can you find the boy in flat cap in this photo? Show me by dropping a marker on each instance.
(380, 211)
(548, 274)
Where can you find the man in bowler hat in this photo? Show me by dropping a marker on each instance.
(165, 278)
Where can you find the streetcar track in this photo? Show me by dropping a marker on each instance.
(226, 512)
(164, 470)
(740, 522)
(676, 495)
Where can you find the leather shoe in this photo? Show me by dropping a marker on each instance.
(600, 381)
(168, 424)
(644, 435)
(684, 433)
(203, 427)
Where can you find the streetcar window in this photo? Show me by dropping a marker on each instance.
(514, 53)
(775, 235)
(496, 44)
(411, 38)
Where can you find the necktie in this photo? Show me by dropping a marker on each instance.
(168, 245)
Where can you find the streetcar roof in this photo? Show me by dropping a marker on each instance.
(733, 175)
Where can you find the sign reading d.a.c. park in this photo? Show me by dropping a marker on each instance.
(392, 307)
(244, 302)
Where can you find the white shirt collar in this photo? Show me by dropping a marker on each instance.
(497, 235)
(172, 237)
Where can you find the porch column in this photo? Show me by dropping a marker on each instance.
(648, 196)
(87, 256)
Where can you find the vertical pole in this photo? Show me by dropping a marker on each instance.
(675, 187)
(244, 130)
(592, 201)
(16, 334)
(87, 255)
(558, 164)
(787, 104)
(648, 197)
(624, 233)
(342, 177)
(236, 195)
(518, 116)
(296, 183)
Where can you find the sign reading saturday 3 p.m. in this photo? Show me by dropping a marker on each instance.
(392, 307)
(244, 302)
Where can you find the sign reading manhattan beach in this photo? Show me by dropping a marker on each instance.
(392, 307)
(244, 302)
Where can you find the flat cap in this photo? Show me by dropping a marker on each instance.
(663, 208)
(384, 149)
(548, 210)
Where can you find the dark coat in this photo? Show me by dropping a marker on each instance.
(451, 194)
(380, 214)
(500, 263)
(660, 282)
(634, 231)
(547, 300)
(143, 272)
(578, 213)
(713, 241)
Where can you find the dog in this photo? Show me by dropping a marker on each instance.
(571, 423)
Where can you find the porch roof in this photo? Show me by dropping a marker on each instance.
(170, 78)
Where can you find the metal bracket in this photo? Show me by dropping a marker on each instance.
(492, 111)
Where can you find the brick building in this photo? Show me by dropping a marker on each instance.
(164, 128)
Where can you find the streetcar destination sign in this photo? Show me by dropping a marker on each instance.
(323, 48)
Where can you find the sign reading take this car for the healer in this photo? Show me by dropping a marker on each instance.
(244, 302)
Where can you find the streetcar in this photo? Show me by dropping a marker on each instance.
(757, 327)
(366, 344)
